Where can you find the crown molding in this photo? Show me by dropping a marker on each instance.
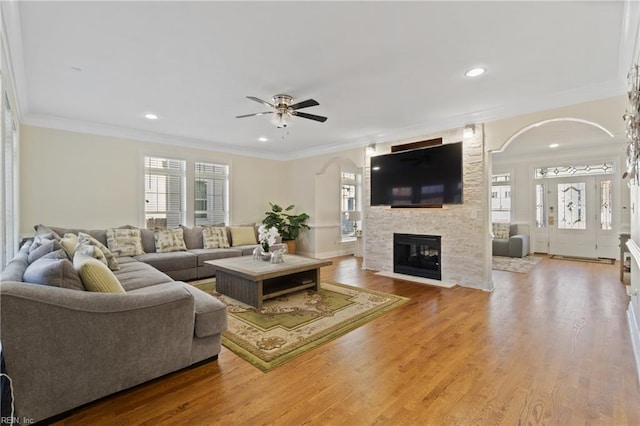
(60, 123)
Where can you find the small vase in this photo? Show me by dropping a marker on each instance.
(266, 256)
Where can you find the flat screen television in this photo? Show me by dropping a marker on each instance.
(424, 177)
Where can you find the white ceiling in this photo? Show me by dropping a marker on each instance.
(380, 70)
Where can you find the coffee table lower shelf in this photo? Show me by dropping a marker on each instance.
(254, 292)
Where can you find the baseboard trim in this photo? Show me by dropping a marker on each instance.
(635, 337)
(418, 280)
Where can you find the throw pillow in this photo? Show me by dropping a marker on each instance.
(46, 247)
(69, 242)
(91, 251)
(243, 235)
(214, 237)
(53, 272)
(500, 231)
(40, 239)
(88, 239)
(192, 237)
(125, 242)
(168, 240)
(43, 229)
(95, 275)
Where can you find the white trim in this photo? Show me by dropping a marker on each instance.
(635, 337)
(551, 120)
(634, 249)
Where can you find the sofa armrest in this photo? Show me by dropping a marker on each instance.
(81, 346)
(518, 245)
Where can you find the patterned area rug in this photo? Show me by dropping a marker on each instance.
(515, 264)
(290, 325)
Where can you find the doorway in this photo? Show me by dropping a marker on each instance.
(574, 216)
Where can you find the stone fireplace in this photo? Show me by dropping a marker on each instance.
(465, 249)
(417, 255)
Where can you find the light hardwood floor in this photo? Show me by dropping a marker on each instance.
(549, 347)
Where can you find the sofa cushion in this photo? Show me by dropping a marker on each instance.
(243, 235)
(192, 237)
(214, 237)
(95, 275)
(83, 238)
(124, 242)
(53, 272)
(148, 240)
(169, 240)
(211, 313)
(174, 261)
(98, 234)
(133, 274)
(500, 230)
(213, 254)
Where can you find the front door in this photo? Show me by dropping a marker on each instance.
(572, 217)
(579, 216)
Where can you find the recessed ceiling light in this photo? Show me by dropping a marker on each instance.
(554, 145)
(263, 139)
(475, 72)
(151, 116)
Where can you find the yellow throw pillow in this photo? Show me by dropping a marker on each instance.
(95, 275)
(243, 235)
(69, 243)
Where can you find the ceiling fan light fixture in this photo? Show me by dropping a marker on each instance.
(281, 120)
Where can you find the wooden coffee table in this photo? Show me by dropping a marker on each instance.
(254, 281)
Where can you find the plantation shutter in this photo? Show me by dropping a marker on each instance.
(211, 193)
(164, 192)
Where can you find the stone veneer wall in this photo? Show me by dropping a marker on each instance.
(463, 227)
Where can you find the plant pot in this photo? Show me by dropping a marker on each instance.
(291, 246)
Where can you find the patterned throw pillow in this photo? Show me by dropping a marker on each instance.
(125, 242)
(112, 263)
(214, 237)
(91, 251)
(95, 275)
(500, 231)
(168, 240)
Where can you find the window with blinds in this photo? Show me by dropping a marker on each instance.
(164, 192)
(211, 193)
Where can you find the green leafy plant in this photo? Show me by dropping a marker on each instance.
(287, 224)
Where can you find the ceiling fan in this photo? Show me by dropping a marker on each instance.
(284, 109)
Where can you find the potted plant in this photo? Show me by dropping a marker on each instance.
(287, 224)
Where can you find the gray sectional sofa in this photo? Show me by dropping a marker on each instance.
(64, 348)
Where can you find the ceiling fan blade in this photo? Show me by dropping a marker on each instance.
(310, 116)
(305, 104)
(260, 101)
(253, 115)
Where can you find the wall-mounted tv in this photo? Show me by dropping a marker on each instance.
(425, 177)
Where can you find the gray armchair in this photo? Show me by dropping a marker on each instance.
(517, 245)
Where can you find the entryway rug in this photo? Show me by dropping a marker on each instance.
(584, 259)
(514, 264)
(290, 325)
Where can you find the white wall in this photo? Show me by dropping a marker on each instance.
(82, 180)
